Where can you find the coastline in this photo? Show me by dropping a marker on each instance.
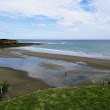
(20, 82)
(94, 62)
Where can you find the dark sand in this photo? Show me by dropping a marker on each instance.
(20, 82)
(97, 63)
(9, 53)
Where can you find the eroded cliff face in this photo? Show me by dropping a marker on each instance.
(7, 42)
(14, 43)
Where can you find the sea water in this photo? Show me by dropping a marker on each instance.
(85, 48)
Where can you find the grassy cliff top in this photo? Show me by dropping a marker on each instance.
(76, 98)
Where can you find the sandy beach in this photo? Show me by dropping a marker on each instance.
(9, 53)
(20, 82)
(97, 63)
(94, 62)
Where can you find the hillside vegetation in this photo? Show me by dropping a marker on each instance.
(76, 98)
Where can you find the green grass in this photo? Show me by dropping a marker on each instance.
(77, 98)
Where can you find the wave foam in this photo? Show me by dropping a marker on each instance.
(53, 51)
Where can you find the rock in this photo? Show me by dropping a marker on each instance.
(14, 43)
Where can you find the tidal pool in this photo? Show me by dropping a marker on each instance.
(57, 73)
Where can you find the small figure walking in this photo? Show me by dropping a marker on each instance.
(65, 74)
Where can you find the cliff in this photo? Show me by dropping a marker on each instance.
(14, 43)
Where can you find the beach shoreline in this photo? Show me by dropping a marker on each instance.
(18, 53)
(22, 84)
(94, 62)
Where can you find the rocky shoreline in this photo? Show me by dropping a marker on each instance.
(5, 43)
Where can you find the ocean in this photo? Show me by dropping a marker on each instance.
(85, 48)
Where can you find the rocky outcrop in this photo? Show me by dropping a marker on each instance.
(6, 41)
(14, 43)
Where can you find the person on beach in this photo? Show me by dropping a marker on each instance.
(65, 74)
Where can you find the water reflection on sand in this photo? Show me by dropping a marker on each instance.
(57, 73)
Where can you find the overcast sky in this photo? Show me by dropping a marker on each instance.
(55, 19)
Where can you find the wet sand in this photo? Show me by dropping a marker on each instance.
(97, 63)
(20, 82)
(94, 62)
(8, 53)
(51, 66)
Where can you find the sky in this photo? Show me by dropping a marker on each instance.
(55, 19)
